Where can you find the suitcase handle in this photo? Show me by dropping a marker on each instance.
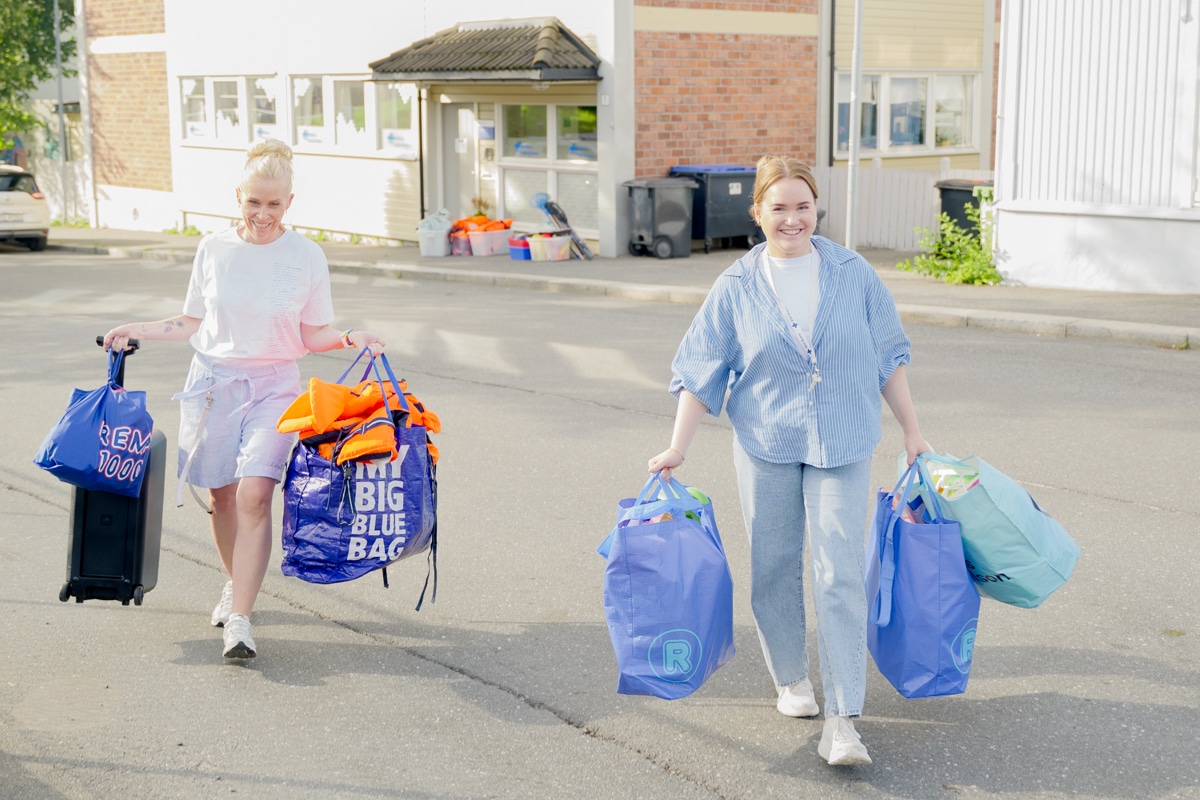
(134, 344)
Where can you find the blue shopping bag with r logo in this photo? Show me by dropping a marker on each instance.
(668, 593)
(922, 607)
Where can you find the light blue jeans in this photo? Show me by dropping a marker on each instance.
(777, 499)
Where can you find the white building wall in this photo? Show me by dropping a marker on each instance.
(1097, 145)
(363, 194)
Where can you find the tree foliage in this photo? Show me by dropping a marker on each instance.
(27, 57)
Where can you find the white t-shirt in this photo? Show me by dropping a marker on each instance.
(797, 285)
(252, 298)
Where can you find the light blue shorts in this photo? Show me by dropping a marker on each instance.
(237, 437)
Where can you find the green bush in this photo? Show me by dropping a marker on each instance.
(955, 255)
(189, 230)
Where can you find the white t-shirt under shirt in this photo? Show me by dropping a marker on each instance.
(797, 285)
(252, 298)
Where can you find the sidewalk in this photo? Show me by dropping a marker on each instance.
(1167, 321)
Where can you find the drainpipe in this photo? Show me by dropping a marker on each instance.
(855, 127)
(62, 114)
(832, 80)
(422, 97)
(85, 109)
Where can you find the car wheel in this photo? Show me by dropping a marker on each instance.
(36, 244)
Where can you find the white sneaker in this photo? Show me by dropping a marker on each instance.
(798, 700)
(220, 614)
(238, 643)
(840, 744)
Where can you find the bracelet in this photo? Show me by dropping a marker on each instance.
(676, 452)
(347, 342)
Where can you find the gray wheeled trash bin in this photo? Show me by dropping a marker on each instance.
(721, 204)
(660, 217)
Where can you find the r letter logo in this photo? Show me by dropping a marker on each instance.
(675, 655)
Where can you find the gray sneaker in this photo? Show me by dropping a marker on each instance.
(220, 614)
(238, 642)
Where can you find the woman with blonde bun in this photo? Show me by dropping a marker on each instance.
(258, 300)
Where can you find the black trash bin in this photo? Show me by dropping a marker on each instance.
(660, 217)
(721, 202)
(956, 195)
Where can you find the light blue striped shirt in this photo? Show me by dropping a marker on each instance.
(739, 342)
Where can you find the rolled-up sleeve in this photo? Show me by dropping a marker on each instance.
(702, 363)
(892, 347)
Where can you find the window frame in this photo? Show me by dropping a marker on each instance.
(369, 143)
(552, 165)
(883, 117)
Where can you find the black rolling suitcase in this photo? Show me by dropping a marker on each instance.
(115, 539)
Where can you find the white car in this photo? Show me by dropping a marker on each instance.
(24, 213)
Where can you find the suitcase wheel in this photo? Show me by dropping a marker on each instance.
(138, 594)
(65, 592)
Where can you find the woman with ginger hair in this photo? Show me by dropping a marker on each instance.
(798, 340)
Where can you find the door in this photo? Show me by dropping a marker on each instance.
(459, 165)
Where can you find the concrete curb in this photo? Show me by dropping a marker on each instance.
(1165, 336)
(1161, 336)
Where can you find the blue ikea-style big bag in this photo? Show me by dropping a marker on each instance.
(341, 522)
(922, 608)
(102, 441)
(668, 593)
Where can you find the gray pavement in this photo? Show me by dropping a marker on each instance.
(504, 688)
(1167, 321)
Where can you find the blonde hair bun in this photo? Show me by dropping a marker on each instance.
(270, 158)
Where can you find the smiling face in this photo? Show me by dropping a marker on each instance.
(787, 214)
(264, 201)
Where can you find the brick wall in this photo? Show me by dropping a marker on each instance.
(124, 17)
(723, 98)
(130, 127)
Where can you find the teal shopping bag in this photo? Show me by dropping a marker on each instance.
(1016, 552)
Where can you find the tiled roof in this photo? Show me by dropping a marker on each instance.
(529, 49)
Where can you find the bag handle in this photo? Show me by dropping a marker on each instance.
(374, 367)
(382, 358)
(887, 547)
(660, 495)
(114, 366)
(926, 481)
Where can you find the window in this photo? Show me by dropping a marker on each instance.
(868, 98)
(226, 107)
(559, 162)
(308, 110)
(906, 111)
(350, 112)
(953, 114)
(326, 113)
(525, 131)
(262, 107)
(195, 116)
(577, 133)
(394, 111)
(906, 126)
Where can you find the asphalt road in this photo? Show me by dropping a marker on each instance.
(505, 686)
